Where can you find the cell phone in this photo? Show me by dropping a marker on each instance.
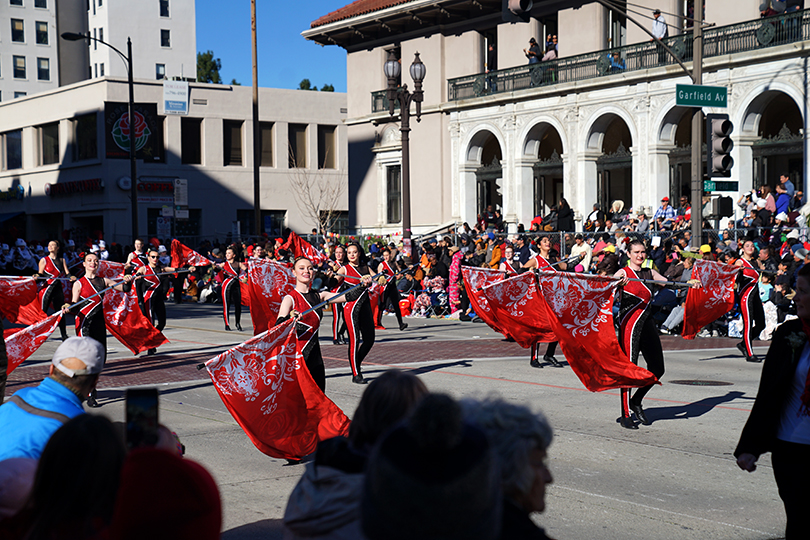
(142, 417)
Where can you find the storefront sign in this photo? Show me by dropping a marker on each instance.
(81, 186)
(13, 193)
(175, 97)
(156, 191)
(148, 131)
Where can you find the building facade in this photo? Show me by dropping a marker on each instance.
(64, 167)
(600, 123)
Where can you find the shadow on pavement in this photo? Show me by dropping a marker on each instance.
(692, 410)
(266, 529)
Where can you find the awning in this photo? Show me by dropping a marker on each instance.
(8, 215)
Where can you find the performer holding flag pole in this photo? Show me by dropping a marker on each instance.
(52, 267)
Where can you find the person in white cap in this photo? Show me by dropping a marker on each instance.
(5, 257)
(32, 415)
(21, 258)
(103, 254)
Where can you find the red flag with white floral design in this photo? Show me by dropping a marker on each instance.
(22, 344)
(19, 302)
(474, 280)
(125, 321)
(302, 248)
(268, 283)
(268, 389)
(183, 255)
(517, 306)
(713, 299)
(579, 308)
(109, 269)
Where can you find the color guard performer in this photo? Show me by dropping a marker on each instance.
(137, 258)
(753, 314)
(390, 293)
(357, 313)
(151, 292)
(52, 267)
(544, 262)
(231, 292)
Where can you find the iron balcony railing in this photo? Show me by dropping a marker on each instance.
(742, 37)
(379, 101)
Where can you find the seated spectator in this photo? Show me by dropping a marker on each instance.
(326, 501)
(783, 296)
(664, 217)
(75, 485)
(616, 62)
(32, 415)
(163, 496)
(520, 440)
(766, 287)
(581, 247)
(433, 477)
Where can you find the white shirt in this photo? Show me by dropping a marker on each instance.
(793, 427)
(659, 27)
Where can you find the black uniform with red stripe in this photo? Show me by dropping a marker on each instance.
(151, 298)
(359, 319)
(391, 293)
(543, 264)
(306, 330)
(753, 314)
(637, 332)
(138, 260)
(52, 294)
(231, 293)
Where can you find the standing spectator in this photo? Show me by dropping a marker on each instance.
(490, 219)
(643, 223)
(770, 201)
(522, 251)
(492, 65)
(565, 216)
(664, 217)
(581, 247)
(798, 200)
(780, 418)
(785, 185)
(660, 31)
(784, 196)
(533, 54)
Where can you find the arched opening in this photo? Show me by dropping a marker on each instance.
(485, 151)
(614, 168)
(776, 120)
(543, 144)
(676, 130)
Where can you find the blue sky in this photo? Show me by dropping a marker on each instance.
(284, 56)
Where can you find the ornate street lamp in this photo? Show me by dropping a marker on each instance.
(392, 70)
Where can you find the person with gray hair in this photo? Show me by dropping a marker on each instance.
(520, 439)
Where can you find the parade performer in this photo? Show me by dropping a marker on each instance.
(753, 314)
(390, 292)
(506, 260)
(544, 262)
(231, 293)
(151, 292)
(137, 258)
(338, 323)
(90, 314)
(637, 331)
(357, 313)
(52, 267)
(300, 300)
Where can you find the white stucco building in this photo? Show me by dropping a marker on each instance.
(496, 130)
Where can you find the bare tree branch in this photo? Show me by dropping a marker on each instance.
(318, 196)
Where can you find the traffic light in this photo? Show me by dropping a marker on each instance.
(719, 145)
(516, 10)
(722, 207)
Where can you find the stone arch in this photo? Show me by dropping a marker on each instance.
(601, 121)
(535, 132)
(478, 141)
(757, 101)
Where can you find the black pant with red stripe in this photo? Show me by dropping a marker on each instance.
(360, 324)
(232, 295)
(753, 315)
(55, 297)
(644, 340)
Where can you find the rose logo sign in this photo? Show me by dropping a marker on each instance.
(120, 131)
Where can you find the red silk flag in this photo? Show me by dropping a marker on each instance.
(183, 255)
(124, 320)
(579, 308)
(517, 305)
(268, 389)
(474, 280)
(302, 248)
(109, 269)
(23, 343)
(268, 283)
(19, 301)
(713, 299)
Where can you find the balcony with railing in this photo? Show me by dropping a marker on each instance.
(737, 38)
(379, 101)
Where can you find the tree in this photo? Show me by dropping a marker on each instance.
(235, 83)
(208, 68)
(327, 88)
(317, 195)
(305, 84)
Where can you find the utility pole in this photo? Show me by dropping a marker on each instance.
(697, 130)
(257, 153)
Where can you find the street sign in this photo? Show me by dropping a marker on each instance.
(727, 185)
(693, 95)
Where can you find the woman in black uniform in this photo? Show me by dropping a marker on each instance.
(52, 267)
(151, 291)
(357, 313)
(231, 292)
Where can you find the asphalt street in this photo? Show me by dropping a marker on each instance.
(673, 479)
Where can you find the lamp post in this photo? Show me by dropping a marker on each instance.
(392, 70)
(133, 190)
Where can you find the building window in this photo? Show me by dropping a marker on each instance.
(19, 67)
(95, 37)
(165, 38)
(101, 33)
(17, 30)
(233, 142)
(101, 69)
(85, 139)
(41, 4)
(160, 71)
(191, 140)
(16, 2)
(99, 3)
(327, 148)
(339, 221)
(95, 68)
(49, 143)
(272, 221)
(393, 188)
(266, 143)
(13, 144)
(42, 33)
(164, 8)
(43, 69)
(298, 146)
(20, 94)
